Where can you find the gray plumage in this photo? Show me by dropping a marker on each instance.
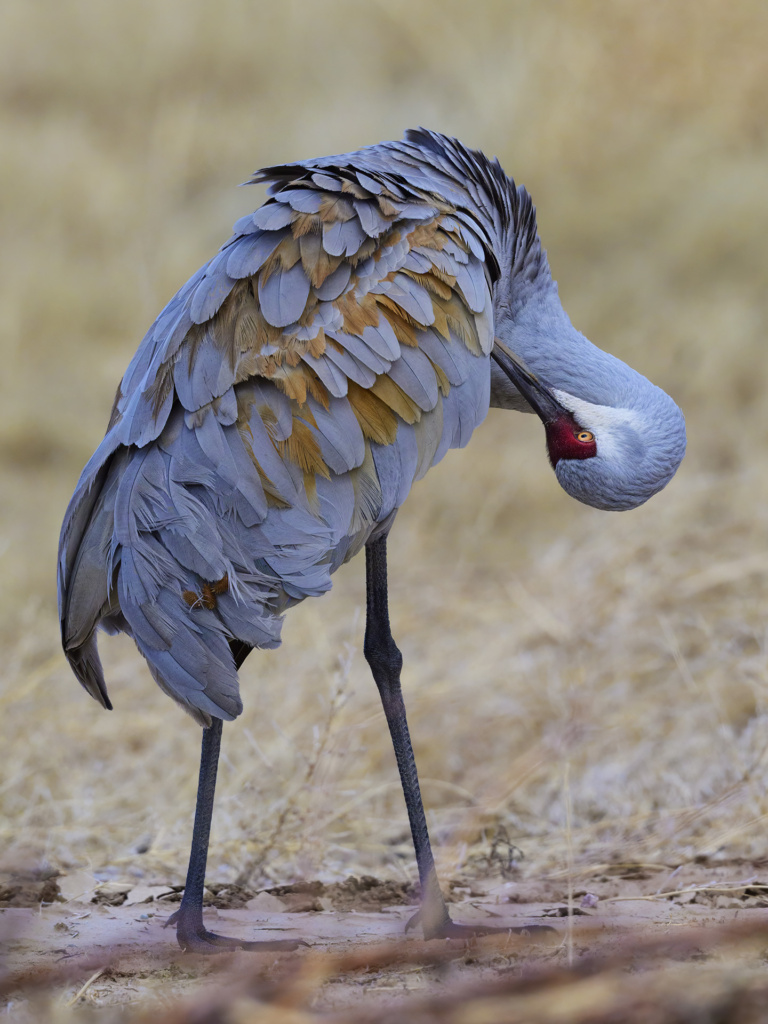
(279, 410)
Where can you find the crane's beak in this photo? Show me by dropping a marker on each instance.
(536, 394)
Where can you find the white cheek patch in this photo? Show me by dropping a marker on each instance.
(602, 420)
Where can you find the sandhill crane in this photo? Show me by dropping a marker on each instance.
(352, 330)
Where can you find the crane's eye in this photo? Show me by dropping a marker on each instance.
(585, 436)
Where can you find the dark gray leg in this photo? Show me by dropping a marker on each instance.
(386, 661)
(191, 933)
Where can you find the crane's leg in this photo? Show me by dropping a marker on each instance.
(383, 656)
(191, 933)
(386, 661)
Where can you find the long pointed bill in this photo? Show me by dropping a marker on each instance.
(536, 394)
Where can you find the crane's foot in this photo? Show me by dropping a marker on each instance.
(449, 929)
(194, 937)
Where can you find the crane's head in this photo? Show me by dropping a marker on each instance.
(612, 457)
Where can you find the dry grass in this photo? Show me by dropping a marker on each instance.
(537, 634)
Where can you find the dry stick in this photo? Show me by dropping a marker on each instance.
(685, 892)
(84, 988)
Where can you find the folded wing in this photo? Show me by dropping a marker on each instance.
(276, 414)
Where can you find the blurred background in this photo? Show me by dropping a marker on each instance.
(560, 662)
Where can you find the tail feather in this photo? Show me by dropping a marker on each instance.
(83, 581)
(86, 664)
(87, 584)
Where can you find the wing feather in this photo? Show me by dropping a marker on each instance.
(414, 373)
(283, 295)
(333, 285)
(343, 238)
(273, 216)
(371, 219)
(339, 434)
(351, 367)
(251, 252)
(212, 290)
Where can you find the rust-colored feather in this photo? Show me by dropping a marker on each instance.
(316, 388)
(208, 593)
(387, 208)
(251, 329)
(316, 345)
(160, 387)
(308, 316)
(267, 417)
(271, 493)
(401, 323)
(354, 189)
(460, 320)
(442, 275)
(317, 264)
(285, 256)
(193, 339)
(441, 321)
(302, 448)
(220, 586)
(333, 207)
(292, 383)
(364, 250)
(442, 381)
(393, 396)
(305, 224)
(310, 489)
(233, 328)
(377, 421)
(428, 235)
(431, 282)
(358, 313)
(241, 292)
(391, 237)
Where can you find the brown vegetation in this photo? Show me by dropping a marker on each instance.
(586, 690)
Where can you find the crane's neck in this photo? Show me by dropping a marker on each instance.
(529, 319)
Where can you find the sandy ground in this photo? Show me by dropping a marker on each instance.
(105, 946)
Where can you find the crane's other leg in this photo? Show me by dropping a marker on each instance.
(191, 933)
(386, 661)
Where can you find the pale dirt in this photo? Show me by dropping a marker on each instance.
(358, 960)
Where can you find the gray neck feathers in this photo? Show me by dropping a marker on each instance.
(539, 331)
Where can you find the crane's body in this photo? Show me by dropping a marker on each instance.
(278, 411)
